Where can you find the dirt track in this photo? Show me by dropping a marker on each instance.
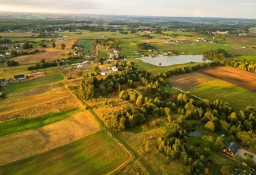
(237, 77)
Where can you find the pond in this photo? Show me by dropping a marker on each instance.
(172, 60)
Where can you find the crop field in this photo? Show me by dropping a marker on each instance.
(98, 35)
(12, 127)
(17, 34)
(237, 77)
(36, 97)
(88, 45)
(227, 87)
(49, 54)
(46, 138)
(94, 154)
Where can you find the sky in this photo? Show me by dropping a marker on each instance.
(182, 8)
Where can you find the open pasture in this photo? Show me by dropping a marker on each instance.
(32, 142)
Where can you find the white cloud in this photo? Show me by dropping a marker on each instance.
(202, 8)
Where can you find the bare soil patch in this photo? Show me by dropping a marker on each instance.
(241, 40)
(237, 77)
(188, 81)
(26, 144)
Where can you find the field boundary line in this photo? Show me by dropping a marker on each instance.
(56, 99)
(132, 158)
(195, 96)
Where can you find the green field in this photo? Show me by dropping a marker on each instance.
(213, 88)
(88, 44)
(97, 35)
(21, 125)
(157, 69)
(237, 97)
(95, 154)
(23, 86)
(9, 72)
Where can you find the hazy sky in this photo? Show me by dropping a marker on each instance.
(195, 8)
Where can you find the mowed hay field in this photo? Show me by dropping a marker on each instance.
(95, 154)
(36, 97)
(48, 54)
(227, 84)
(29, 143)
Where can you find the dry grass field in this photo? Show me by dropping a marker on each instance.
(34, 108)
(28, 143)
(95, 154)
(48, 54)
(237, 77)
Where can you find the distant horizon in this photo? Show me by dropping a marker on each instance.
(81, 14)
(242, 9)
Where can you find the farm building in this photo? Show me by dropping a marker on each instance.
(4, 82)
(19, 77)
(231, 149)
(103, 72)
(114, 69)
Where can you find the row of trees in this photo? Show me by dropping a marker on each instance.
(220, 54)
(43, 64)
(111, 43)
(12, 63)
(189, 69)
(146, 46)
(242, 65)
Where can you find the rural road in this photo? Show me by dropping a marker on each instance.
(241, 153)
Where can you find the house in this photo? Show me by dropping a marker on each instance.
(19, 77)
(195, 133)
(114, 69)
(4, 82)
(103, 72)
(231, 149)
